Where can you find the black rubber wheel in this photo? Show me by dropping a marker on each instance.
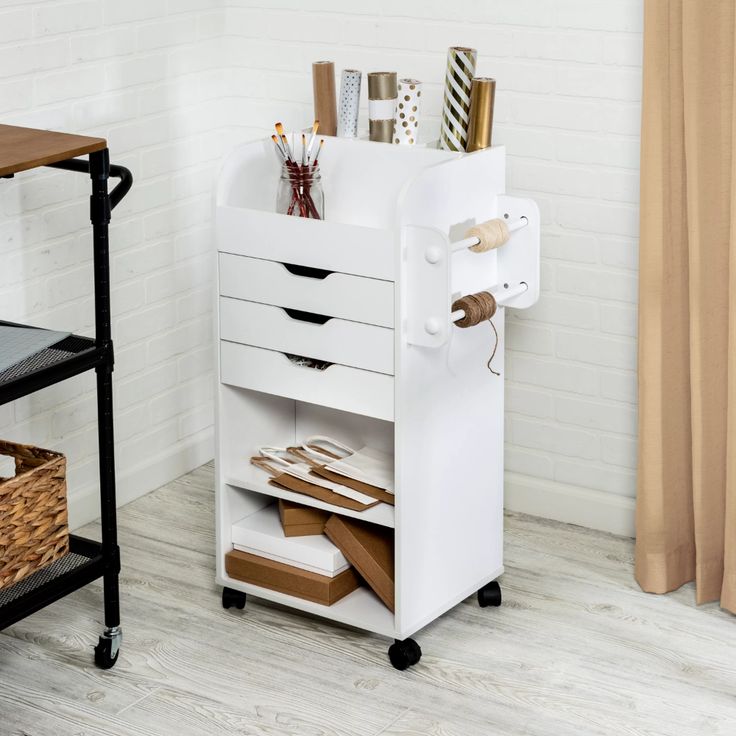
(232, 598)
(404, 654)
(103, 654)
(490, 595)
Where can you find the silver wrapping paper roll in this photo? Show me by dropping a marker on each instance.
(406, 122)
(349, 103)
(456, 103)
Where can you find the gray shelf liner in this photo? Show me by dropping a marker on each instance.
(19, 343)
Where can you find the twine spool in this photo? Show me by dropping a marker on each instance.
(479, 308)
(491, 234)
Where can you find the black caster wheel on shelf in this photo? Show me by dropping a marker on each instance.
(404, 654)
(232, 598)
(108, 648)
(490, 595)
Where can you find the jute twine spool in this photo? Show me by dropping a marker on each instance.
(491, 234)
(478, 308)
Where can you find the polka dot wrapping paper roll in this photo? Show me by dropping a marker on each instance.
(408, 108)
(349, 103)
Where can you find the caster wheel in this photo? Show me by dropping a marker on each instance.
(232, 598)
(490, 595)
(404, 654)
(108, 648)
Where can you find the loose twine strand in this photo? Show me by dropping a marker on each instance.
(479, 308)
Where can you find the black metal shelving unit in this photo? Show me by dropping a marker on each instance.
(87, 560)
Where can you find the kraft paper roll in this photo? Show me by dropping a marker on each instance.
(382, 91)
(480, 130)
(456, 103)
(347, 114)
(406, 122)
(325, 106)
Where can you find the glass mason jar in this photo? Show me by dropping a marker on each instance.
(300, 191)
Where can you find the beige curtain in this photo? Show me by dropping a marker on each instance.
(686, 505)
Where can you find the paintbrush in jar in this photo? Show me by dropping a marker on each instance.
(315, 128)
(278, 147)
(316, 155)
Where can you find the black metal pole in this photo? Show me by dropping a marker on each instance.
(99, 169)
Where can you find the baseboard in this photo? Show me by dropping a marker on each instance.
(571, 504)
(132, 483)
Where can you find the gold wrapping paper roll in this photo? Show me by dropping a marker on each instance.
(382, 91)
(325, 102)
(482, 98)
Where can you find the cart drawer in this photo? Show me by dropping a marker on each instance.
(336, 246)
(336, 340)
(312, 290)
(339, 387)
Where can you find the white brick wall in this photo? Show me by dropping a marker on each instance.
(569, 79)
(172, 83)
(147, 75)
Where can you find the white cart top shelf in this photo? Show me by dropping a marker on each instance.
(362, 180)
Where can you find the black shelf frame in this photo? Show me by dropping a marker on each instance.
(102, 558)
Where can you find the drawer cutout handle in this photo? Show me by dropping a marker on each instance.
(308, 271)
(303, 362)
(317, 319)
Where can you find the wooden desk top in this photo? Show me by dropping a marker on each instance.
(26, 148)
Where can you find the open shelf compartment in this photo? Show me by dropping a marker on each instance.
(249, 419)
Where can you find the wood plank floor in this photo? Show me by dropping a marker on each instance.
(575, 649)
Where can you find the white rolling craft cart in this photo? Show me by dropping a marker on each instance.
(384, 266)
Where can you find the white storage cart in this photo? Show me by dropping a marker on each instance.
(403, 378)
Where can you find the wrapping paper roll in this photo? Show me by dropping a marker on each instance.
(456, 103)
(382, 91)
(406, 123)
(325, 106)
(347, 114)
(482, 97)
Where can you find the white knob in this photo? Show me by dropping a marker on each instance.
(432, 326)
(433, 254)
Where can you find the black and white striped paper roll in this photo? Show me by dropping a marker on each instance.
(456, 103)
(349, 103)
(406, 122)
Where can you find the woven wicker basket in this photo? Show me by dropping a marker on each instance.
(33, 514)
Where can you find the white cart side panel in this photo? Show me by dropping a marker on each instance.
(336, 295)
(449, 466)
(332, 246)
(449, 416)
